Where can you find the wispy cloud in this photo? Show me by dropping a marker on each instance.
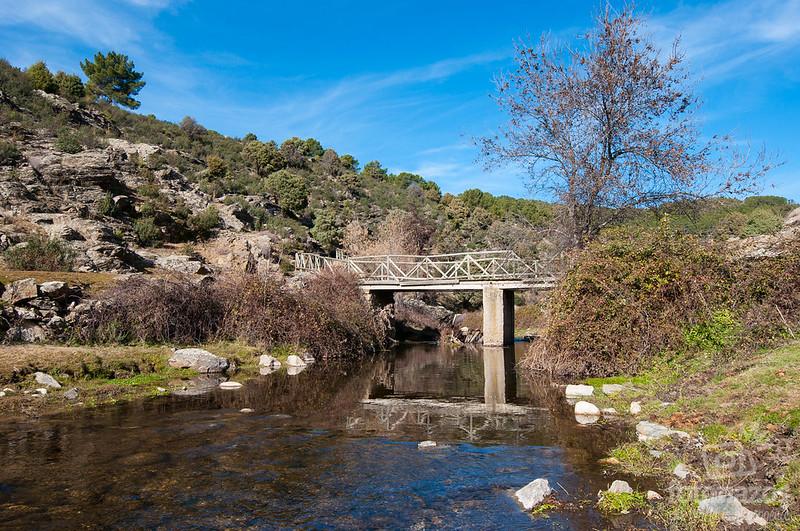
(723, 39)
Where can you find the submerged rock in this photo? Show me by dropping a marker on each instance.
(265, 360)
(294, 370)
(731, 510)
(46, 379)
(576, 391)
(426, 444)
(295, 361)
(533, 493)
(197, 359)
(230, 385)
(650, 431)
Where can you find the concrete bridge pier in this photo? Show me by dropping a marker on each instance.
(498, 316)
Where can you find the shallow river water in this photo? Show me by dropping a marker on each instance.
(331, 447)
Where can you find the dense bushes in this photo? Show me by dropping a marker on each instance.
(328, 316)
(635, 294)
(40, 254)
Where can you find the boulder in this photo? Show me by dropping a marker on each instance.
(46, 379)
(72, 394)
(618, 487)
(653, 495)
(198, 359)
(295, 361)
(27, 332)
(54, 289)
(681, 471)
(731, 510)
(230, 385)
(586, 408)
(650, 431)
(182, 264)
(577, 391)
(612, 389)
(636, 408)
(533, 493)
(426, 444)
(21, 291)
(265, 360)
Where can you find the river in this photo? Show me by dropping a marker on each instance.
(332, 447)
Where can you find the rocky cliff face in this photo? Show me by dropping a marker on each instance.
(69, 195)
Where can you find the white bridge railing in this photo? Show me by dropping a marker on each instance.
(471, 266)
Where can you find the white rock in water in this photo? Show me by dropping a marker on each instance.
(426, 444)
(46, 379)
(681, 470)
(586, 408)
(533, 493)
(295, 361)
(161, 389)
(198, 359)
(245, 410)
(653, 495)
(612, 389)
(294, 371)
(618, 486)
(230, 385)
(265, 360)
(2, 394)
(574, 391)
(731, 510)
(650, 431)
(636, 408)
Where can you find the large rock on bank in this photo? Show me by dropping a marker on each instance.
(199, 360)
(533, 493)
(731, 510)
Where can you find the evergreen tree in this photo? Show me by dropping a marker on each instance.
(112, 78)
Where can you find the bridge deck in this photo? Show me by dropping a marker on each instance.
(442, 272)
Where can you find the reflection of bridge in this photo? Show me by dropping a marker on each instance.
(496, 273)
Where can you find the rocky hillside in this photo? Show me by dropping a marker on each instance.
(123, 192)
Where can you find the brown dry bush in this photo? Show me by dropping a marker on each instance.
(152, 310)
(633, 295)
(327, 316)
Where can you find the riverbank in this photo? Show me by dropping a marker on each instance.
(743, 419)
(107, 374)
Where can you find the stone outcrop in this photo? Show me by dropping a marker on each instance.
(731, 510)
(199, 360)
(37, 312)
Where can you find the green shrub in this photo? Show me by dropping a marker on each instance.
(106, 205)
(621, 502)
(205, 221)
(147, 232)
(9, 154)
(40, 254)
(69, 86)
(41, 78)
(718, 332)
(68, 142)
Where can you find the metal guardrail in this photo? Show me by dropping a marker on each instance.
(471, 266)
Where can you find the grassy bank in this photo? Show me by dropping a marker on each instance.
(743, 416)
(104, 374)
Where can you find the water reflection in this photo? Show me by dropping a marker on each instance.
(330, 447)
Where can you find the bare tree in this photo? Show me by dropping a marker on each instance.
(610, 126)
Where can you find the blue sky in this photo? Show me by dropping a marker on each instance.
(406, 83)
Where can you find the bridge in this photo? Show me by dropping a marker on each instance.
(496, 273)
